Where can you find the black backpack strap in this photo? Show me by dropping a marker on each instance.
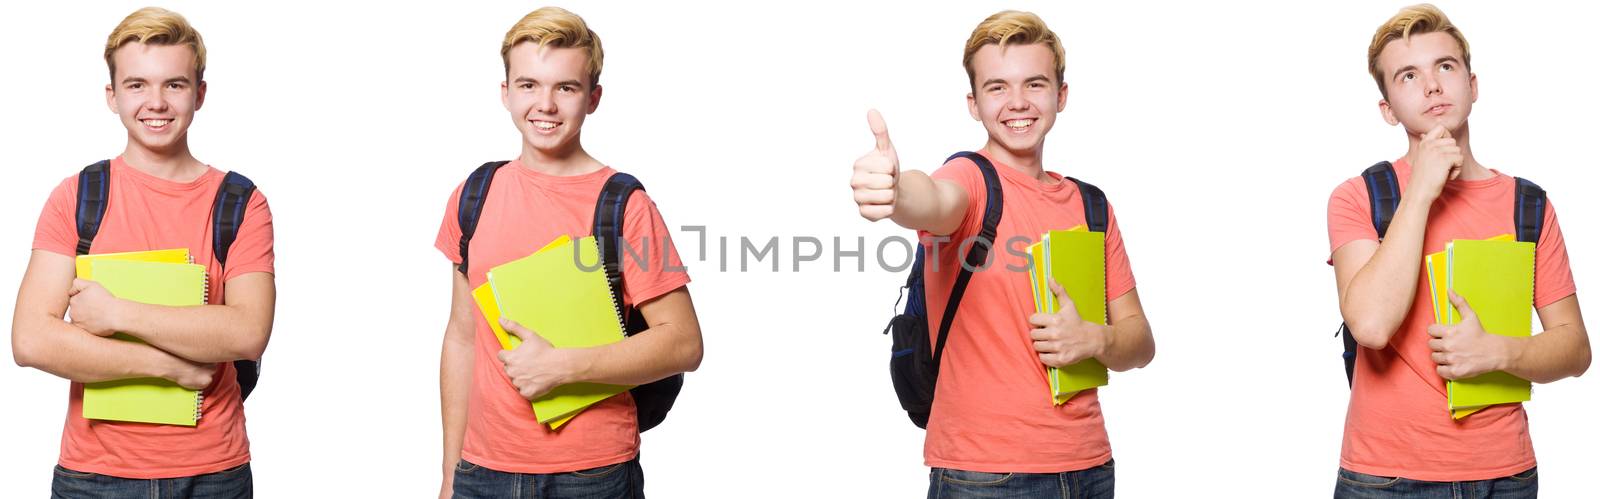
(1095, 211)
(470, 206)
(979, 252)
(227, 213)
(1530, 205)
(94, 190)
(1383, 193)
(609, 211)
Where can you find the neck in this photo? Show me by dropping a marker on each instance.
(1470, 168)
(172, 163)
(1030, 163)
(569, 161)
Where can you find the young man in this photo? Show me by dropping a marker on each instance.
(1399, 441)
(493, 445)
(158, 197)
(992, 432)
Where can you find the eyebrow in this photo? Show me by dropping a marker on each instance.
(1033, 78)
(524, 79)
(1436, 62)
(136, 79)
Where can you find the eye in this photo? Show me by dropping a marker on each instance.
(1447, 67)
(525, 86)
(1408, 77)
(135, 86)
(568, 89)
(175, 86)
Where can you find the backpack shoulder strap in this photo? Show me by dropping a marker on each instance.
(1529, 211)
(979, 253)
(94, 190)
(1095, 211)
(609, 211)
(227, 213)
(470, 206)
(1383, 193)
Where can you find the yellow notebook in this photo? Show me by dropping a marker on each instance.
(176, 255)
(567, 306)
(1495, 277)
(1075, 259)
(146, 400)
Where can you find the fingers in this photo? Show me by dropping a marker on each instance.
(1461, 306)
(1069, 309)
(1438, 131)
(512, 327)
(1042, 320)
(1446, 372)
(880, 131)
(78, 285)
(1440, 358)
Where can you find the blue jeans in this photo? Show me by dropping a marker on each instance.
(1093, 483)
(231, 483)
(1354, 485)
(621, 480)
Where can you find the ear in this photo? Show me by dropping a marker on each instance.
(200, 95)
(505, 95)
(1472, 79)
(594, 99)
(1061, 98)
(1388, 113)
(972, 107)
(111, 98)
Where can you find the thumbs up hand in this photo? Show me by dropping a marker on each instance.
(876, 173)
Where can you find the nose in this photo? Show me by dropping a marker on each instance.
(545, 102)
(1432, 86)
(156, 102)
(1016, 101)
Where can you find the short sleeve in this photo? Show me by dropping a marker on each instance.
(965, 174)
(252, 248)
(651, 266)
(1552, 275)
(449, 239)
(57, 230)
(1119, 273)
(1349, 215)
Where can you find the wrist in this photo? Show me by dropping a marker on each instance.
(577, 364)
(1109, 336)
(1510, 352)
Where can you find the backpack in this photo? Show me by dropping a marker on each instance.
(913, 363)
(652, 400)
(1383, 195)
(227, 214)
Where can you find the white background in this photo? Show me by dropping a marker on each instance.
(1218, 130)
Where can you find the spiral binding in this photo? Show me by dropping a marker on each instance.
(616, 299)
(199, 403)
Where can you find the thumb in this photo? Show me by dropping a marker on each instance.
(1461, 306)
(1067, 307)
(880, 131)
(78, 285)
(519, 330)
(1438, 131)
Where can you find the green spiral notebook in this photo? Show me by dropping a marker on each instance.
(146, 400)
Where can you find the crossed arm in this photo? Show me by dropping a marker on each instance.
(180, 343)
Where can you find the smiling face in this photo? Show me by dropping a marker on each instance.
(155, 90)
(1427, 83)
(549, 93)
(1016, 94)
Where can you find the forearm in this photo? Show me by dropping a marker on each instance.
(1130, 344)
(455, 385)
(921, 204)
(1379, 296)
(56, 347)
(208, 333)
(661, 351)
(1549, 356)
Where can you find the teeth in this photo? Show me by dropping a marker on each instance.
(1019, 124)
(157, 123)
(544, 124)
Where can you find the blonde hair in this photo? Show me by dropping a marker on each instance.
(557, 28)
(156, 26)
(1419, 19)
(1011, 27)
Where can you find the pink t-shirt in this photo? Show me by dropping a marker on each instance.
(145, 212)
(523, 211)
(991, 408)
(1398, 424)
